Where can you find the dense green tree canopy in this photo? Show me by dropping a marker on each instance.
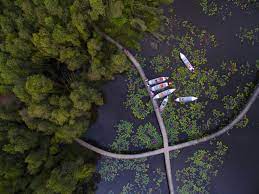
(52, 64)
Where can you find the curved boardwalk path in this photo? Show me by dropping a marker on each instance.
(178, 146)
(155, 106)
(166, 148)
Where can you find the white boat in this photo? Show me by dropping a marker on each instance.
(157, 80)
(161, 86)
(163, 104)
(186, 99)
(186, 62)
(164, 94)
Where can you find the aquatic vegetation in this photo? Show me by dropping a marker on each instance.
(232, 103)
(243, 123)
(244, 4)
(181, 122)
(123, 135)
(249, 35)
(174, 154)
(137, 99)
(224, 9)
(210, 8)
(148, 137)
(110, 168)
(257, 64)
(161, 63)
(145, 136)
(184, 121)
(189, 39)
(127, 189)
(246, 69)
(200, 168)
(141, 180)
(159, 177)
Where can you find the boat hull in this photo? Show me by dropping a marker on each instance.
(163, 104)
(160, 86)
(164, 94)
(157, 80)
(186, 99)
(186, 62)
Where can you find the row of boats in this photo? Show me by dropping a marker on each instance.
(160, 83)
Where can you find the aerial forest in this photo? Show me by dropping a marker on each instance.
(52, 66)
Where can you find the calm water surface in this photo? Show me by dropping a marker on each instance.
(240, 172)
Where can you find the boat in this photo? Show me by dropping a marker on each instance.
(186, 99)
(164, 94)
(161, 86)
(157, 80)
(163, 104)
(186, 62)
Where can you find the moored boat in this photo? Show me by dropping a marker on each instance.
(186, 62)
(163, 104)
(161, 86)
(164, 94)
(186, 99)
(157, 80)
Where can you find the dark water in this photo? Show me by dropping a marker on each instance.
(240, 172)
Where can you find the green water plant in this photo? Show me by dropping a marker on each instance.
(123, 136)
(147, 136)
(249, 35)
(201, 167)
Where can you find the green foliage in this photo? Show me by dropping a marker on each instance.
(137, 94)
(235, 102)
(111, 167)
(122, 139)
(196, 177)
(224, 8)
(147, 136)
(243, 123)
(257, 64)
(127, 189)
(64, 178)
(160, 64)
(98, 9)
(83, 97)
(158, 177)
(52, 66)
(38, 86)
(249, 35)
(20, 140)
(209, 8)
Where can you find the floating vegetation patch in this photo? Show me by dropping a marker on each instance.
(123, 136)
(147, 136)
(232, 103)
(183, 121)
(161, 63)
(200, 168)
(190, 121)
(111, 168)
(257, 64)
(224, 8)
(186, 37)
(137, 95)
(249, 35)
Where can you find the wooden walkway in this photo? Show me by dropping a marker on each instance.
(166, 148)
